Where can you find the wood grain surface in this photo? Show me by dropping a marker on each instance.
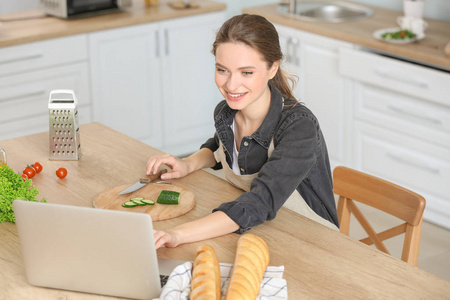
(319, 263)
(109, 199)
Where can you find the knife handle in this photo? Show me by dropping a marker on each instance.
(150, 178)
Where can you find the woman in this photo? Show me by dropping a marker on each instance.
(268, 144)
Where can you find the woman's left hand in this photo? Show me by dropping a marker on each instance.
(164, 239)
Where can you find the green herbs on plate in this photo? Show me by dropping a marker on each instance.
(13, 187)
(398, 35)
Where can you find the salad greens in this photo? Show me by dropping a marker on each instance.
(13, 187)
(398, 35)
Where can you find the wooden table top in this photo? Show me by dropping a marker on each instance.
(319, 262)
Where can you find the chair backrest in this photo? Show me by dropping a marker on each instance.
(351, 185)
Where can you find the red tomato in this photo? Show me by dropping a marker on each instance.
(24, 177)
(61, 172)
(37, 166)
(30, 172)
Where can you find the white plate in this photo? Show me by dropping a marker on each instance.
(377, 34)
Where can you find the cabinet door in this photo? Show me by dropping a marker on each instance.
(24, 98)
(189, 91)
(324, 91)
(415, 164)
(290, 46)
(126, 81)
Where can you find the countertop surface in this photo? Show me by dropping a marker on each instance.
(429, 50)
(319, 263)
(31, 26)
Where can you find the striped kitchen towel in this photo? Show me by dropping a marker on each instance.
(273, 286)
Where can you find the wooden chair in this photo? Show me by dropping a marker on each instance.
(352, 185)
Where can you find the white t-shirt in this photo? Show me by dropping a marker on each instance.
(235, 165)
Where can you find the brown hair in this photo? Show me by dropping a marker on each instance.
(257, 32)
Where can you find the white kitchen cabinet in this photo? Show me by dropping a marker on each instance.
(402, 126)
(315, 60)
(290, 46)
(325, 92)
(27, 75)
(155, 82)
(381, 115)
(126, 84)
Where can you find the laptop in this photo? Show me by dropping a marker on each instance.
(90, 250)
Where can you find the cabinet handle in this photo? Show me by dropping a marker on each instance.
(21, 58)
(31, 94)
(415, 115)
(166, 39)
(295, 44)
(157, 43)
(288, 48)
(413, 162)
(291, 48)
(400, 78)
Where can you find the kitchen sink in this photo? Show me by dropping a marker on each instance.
(333, 11)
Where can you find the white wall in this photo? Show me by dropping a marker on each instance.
(12, 6)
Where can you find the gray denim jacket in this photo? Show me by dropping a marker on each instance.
(299, 161)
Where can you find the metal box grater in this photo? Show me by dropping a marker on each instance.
(63, 126)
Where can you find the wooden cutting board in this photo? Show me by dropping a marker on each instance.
(109, 199)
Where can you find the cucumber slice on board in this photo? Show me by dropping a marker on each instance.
(148, 201)
(129, 204)
(168, 197)
(137, 200)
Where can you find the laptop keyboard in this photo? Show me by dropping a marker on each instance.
(163, 279)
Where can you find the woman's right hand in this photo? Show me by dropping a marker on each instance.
(178, 166)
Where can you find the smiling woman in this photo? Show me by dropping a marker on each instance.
(268, 144)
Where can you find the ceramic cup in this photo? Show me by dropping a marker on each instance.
(413, 8)
(415, 25)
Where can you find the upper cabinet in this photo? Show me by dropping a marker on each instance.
(155, 82)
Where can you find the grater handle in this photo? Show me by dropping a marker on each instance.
(69, 96)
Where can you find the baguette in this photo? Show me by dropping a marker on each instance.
(205, 283)
(252, 259)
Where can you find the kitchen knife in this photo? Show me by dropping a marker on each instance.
(155, 178)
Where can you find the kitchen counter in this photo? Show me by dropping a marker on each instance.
(34, 26)
(319, 262)
(429, 51)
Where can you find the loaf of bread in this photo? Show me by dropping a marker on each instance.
(205, 283)
(251, 261)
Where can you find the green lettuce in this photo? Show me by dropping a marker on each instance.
(12, 187)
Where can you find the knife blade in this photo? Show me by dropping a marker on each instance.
(155, 178)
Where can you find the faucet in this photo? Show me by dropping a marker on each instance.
(292, 6)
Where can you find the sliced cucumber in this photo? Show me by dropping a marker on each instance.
(129, 204)
(168, 197)
(137, 200)
(148, 201)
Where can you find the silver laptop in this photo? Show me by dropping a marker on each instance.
(90, 250)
